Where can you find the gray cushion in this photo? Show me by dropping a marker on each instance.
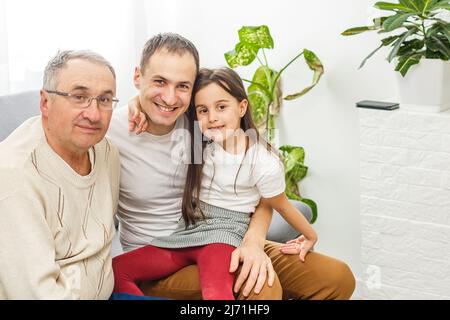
(280, 230)
(15, 109)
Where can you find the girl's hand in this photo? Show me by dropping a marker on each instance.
(300, 246)
(137, 120)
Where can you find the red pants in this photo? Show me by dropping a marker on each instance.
(153, 263)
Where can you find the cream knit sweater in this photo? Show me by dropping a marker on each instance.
(56, 226)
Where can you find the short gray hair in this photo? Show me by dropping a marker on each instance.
(59, 61)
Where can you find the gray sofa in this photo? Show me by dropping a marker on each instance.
(16, 108)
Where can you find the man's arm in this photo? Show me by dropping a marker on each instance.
(256, 264)
(27, 253)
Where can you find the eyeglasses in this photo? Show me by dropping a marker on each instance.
(106, 101)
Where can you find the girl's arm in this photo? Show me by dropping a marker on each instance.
(137, 121)
(259, 224)
(295, 218)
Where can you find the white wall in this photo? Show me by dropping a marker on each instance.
(36, 33)
(4, 70)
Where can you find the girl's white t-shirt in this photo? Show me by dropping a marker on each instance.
(238, 181)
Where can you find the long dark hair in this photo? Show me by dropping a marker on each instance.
(229, 81)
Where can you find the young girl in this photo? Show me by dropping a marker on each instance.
(236, 169)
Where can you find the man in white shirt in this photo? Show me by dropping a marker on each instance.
(153, 176)
(60, 185)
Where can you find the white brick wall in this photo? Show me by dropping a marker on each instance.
(405, 204)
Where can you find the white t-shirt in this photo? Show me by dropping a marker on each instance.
(260, 175)
(153, 175)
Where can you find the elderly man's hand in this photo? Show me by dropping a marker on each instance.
(256, 267)
(137, 120)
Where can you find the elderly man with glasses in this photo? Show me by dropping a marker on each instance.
(59, 187)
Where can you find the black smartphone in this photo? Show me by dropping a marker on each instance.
(380, 105)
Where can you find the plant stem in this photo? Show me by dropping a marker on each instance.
(266, 71)
(252, 82)
(269, 81)
(265, 58)
(260, 62)
(284, 68)
(424, 35)
(423, 29)
(273, 85)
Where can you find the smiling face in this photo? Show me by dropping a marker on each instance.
(165, 88)
(70, 130)
(218, 112)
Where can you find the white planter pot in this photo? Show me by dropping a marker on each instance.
(426, 86)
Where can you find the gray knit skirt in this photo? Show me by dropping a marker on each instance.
(219, 226)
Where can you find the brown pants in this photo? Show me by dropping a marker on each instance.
(319, 278)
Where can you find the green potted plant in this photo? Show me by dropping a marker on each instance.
(266, 97)
(419, 36)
